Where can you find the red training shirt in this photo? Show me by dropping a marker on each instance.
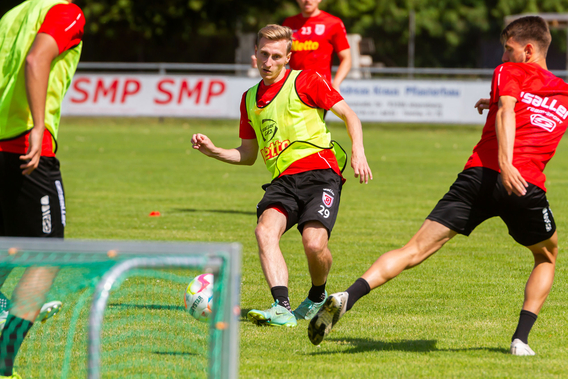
(315, 92)
(541, 111)
(65, 23)
(315, 40)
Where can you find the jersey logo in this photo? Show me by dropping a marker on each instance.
(543, 122)
(268, 129)
(320, 29)
(327, 199)
(305, 46)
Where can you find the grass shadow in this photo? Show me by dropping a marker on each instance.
(244, 312)
(147, 306)
(361, 345)
(225, 211)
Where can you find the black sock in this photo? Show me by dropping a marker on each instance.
(526, 322)
(13, 335)
(280, 294)
(317, 293)
(4, 302)
(357, 290)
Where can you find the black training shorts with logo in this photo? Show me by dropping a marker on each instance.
(31, 205)
(307, 196)
(478, 194)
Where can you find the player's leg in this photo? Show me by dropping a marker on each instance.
(531, 223)
(459, 211)
(320, 194)
(28, 297)
(429, 239)
(536, 291)
(276, 214)
(315, 240)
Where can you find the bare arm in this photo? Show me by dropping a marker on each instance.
(505, 127)
(481, 105)
(355, 131)
(38, 65)
(243, 155)
(344, 67)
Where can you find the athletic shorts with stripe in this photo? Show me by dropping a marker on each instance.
(478, 194)
(31, 205)
(307, 196)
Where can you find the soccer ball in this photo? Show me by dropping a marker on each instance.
(198, 296)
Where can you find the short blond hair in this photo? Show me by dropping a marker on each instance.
(275, 32)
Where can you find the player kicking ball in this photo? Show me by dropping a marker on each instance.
(283, 116)
(503, 177)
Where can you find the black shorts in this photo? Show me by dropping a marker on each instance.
(478, 194)
(31, 205)
(307, 196)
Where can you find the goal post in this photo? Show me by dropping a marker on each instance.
(107, 268)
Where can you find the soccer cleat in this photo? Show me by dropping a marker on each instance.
(331, 311)
(308, 309)
(276, 315)
(520, 348)
(49, 310)
(14, 375)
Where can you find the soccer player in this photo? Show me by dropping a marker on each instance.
(40, 46)
(283, 116)
(503, 177)
(317, 34)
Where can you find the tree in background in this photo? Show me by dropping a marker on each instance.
(449, 33)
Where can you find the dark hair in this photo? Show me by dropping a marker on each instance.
(528, 29)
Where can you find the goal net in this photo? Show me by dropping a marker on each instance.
(123, 312)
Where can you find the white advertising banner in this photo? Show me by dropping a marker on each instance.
(377, 100)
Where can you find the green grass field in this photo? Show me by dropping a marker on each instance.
(451, 317)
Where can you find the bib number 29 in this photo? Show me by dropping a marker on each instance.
(324, 211)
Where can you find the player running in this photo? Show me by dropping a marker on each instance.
(40, 45)
(283, 116)
(503, 177)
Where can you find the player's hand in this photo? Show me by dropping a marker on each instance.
(34, 151)
(481, 105)
(336, 87)
(361, 168)
(253, 61)
(513, 181)
(202, 143)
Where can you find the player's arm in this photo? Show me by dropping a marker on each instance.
(355, 131)
(243, 155)
(505, 127)
(482, 104)
(38, 65)
(343, 69)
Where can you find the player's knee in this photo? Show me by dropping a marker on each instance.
(315, 246)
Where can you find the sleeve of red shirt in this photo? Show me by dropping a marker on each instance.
(315, 91)
(339, 37)
(65, 23)
(245, 129)
(507, 81)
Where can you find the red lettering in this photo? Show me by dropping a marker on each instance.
(82, 91)
(164, 91)
(127, 92)
(211, 92)
(185, 89)
(101, 87)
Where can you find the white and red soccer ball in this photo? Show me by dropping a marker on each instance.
(198, 297)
